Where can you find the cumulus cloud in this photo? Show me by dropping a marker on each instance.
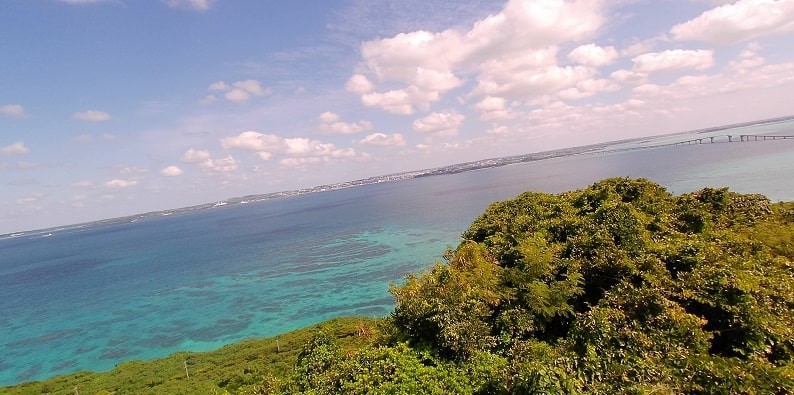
(198, 5)
(359, 84)
(511, 53)
(268, 146)
(195, 156)
(593, 55)
(17, 148)
(747, 60)
(13, 110)
(219, 166)
(588, 88)
(171, 171)
(493, 108)
(330, 123)
(440, 123)
(237, 92)
(252, 141)
(383, 139)
(629, 76)
(530, 84)
(673, 60)
(92, 116)
(401, 101)
(218, 86)
(743, 20)
(118, 183)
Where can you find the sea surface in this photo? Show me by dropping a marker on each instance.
(89, 298)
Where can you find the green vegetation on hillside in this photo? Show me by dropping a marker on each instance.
(227, 369)
(619, 288)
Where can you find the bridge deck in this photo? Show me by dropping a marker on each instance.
(733, 139)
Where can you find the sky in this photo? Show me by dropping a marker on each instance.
(110, 108)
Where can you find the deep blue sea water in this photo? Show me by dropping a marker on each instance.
(89, 298)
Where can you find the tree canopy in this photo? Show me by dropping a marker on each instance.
(621, 287)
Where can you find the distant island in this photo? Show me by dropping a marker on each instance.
(606, 147)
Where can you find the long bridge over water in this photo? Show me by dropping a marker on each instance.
(703, 140)
(732, 139)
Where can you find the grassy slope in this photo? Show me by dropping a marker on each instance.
(237, 364)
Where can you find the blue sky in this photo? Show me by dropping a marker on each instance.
(116, 107)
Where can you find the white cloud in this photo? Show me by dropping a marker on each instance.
(741, 21)
(17, 148)
(329, 117)
(309, 152)
(401, 101)
(251, 86)
(747, 60)
(673, 60)
(511, 54)
(530, 83)
(359, 84)
(440, 123)
(130, 170)
(593, 55)
(400, 58)
(195, 156)
(13, 110)
(252, 141)
(493, 108)
(219, 166)
(218, 86)
(629, 76)
(208, 99)
(330, 123)
(647, 89)
(92, 116)
(588, 88)
(297, 145)
(237, 92)
(171, 171)
(120, 183)
(237, 95)
(198, 5)
(268, 146)
(382, 139)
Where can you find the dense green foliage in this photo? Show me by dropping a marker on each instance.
(619, 288)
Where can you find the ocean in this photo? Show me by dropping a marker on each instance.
(88, 298)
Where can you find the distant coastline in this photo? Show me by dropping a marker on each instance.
(437, 171)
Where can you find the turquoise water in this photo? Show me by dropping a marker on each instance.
(89, 298)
